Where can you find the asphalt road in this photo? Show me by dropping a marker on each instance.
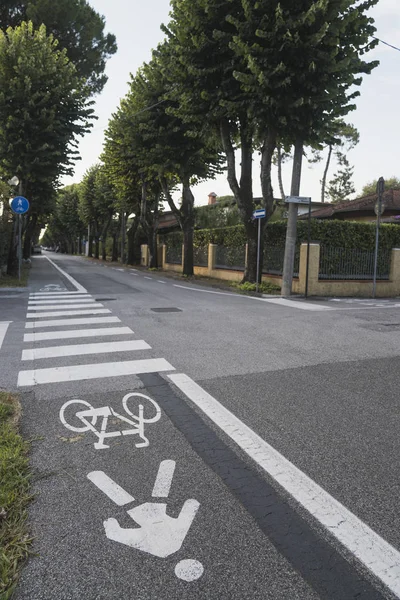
(291, 493)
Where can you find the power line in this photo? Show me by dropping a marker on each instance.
(386, 44)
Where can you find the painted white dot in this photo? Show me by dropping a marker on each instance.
(189, 570)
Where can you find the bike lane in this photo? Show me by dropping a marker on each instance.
(151, 521)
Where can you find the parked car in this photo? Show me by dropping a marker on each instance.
(37, 250)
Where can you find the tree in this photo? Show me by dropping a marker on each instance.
(65, 228)
(44, 107)
(77, 27)
(341, 186)
(345, 137)
(96, 206)
(263, 72)
(392, 183)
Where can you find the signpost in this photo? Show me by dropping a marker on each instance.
(258, 214)
(380, 188)
(19, 205)
(304, 200)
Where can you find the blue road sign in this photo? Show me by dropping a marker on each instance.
(19, 205)
(259, 213)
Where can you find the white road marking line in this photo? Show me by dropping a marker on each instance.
(3, 330)
(111, 489)
(81, 349)
(133, 269)
(186, 287)
(65, 306)
(78, 333)
(162, 484)
(159, 281)
(68, 313)
(65, 322)
(147, 277)
(56, 294)
(59, 301)
(134, 274)
(294, 304)
(93, 371)
(367, 546)
(78, 286)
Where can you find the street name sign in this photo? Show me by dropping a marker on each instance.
(298, 199)
(19, 205)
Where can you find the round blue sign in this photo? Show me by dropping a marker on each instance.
(19, 205)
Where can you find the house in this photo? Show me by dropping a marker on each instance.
(362, 209)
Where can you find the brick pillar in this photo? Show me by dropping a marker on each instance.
(394, 276)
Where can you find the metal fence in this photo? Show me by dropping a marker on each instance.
(200, 256)
(273, 260)
(349, 263)
(174, 255)
(230, 257)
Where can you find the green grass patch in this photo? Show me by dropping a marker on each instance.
(266, 287)
(14, 495)
(13, 281)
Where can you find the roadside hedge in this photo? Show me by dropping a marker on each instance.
(335, 233)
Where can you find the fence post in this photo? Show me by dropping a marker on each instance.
(183, 253)
(394, 276)
(212, 251)
(163, 255)
(313, 269)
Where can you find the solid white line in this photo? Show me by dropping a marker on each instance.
(69, 313)
(65, 306)
(111, 489)
(367, 546)
(93, 371)
(78, 333)
(60, 301)
(65, 322)
(185, 287)
(294, 304)
(3, 330)
(78, 286)
(164, 477)
(81, 349)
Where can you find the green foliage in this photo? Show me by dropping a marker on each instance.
(65, 224)
(265, 287)
(341, 186)
(221, 214)
(392, 183)
(335, 233)
(76, 25)
(43, 109)
(14, 496)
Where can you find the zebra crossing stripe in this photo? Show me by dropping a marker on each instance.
(81, 349)
(66, 322)
(92, 371)
(66, 306)
(68, 313)
(59, 301)
(76, 333)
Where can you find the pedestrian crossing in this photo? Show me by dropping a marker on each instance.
(44, 306)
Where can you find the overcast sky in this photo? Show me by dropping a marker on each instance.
(136, 25)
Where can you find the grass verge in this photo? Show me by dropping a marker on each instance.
(266, 287)
(10, 281)
(14, 495)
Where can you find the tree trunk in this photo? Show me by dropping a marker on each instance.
(280, 181)
(243, 192)
(90, 249)
(96, 247)
(291, 231)
(114, 256)
(131, 235)
(325, 175)
(12, 261)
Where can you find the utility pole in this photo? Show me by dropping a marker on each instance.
(380, 188)
(291, 231)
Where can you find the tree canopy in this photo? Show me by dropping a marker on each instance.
(76, 25)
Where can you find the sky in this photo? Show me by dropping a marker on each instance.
(136, 25)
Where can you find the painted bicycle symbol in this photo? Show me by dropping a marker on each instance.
(89, 415)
